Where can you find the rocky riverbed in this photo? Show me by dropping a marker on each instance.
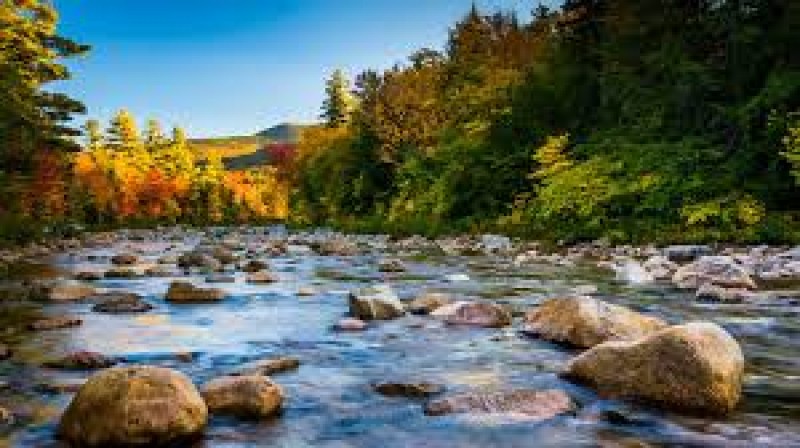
(235, 337)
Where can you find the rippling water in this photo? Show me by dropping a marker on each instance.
(330, 401)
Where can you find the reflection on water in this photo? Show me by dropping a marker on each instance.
(330, 401)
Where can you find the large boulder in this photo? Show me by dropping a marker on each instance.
(476, 314)
(695, 367)
(184, 292)
(527, 404)
(253, 396)
(134, 406)
(586, 322)
(722, 271)
(377, 302)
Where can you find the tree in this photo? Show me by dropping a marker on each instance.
(94, 134)
(123, 134)
(31, 50)
(154, 136)
(339, 104)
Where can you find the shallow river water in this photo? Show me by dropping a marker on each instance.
(330, 401)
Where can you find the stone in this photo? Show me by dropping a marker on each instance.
(120, 303)
(253, 266)
(269, 367)
(722, 271)
(477, 314)
(713, 293)
(160, 271)
(124, 259)
(585, 322)
(5, 352)
(220, 279)
(377, 302)
(68, 292)
(262, 278)
(686, 253)
(410, 390)
(122, 272)
(54, 323)
(184, 292)
(199, 260)
(350, 324)
(391, 265)
(696, 367)
(306, 291)
(660, 267)
(134, 406)
(527, 404)
(6, 417)
(337, 246)
(250, 397)
(82, 360)
(89, 276)
(429, 302)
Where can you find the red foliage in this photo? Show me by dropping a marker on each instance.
(281, 155)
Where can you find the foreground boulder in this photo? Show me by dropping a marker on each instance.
(585, 322)
(135, 406)
(695, 367)
(476, 314)
(251, 397)
(184, 292)
(376, 303)
(526, 404)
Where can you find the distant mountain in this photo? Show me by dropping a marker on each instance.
(283, 133)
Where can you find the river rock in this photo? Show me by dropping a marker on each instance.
(218, 278)
(722, 271)
(6, 416)
(122, 272)
(429, 302)
(478, 314)
(269, 367)
(533, 405)
(695, 367)
(81, 361)
(253, 266)
(54, 323)
(184, 292)
(337, 246)
(199, 260)
(377, 302)
(713, 293)
(135, 406)
(410, 390)
(350, 324)
(262, 278)
(306, 291)
(252, 397)
(89, 276)
(585, 322)
(124, 259)
(68, 292)
(5, 352)
(686, 253)
(120, 303)
(391, 265)
(660, 267)
(160, 271)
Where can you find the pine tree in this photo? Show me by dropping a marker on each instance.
(123, 133)
(339, 104)
(94, 134)
(154, 135)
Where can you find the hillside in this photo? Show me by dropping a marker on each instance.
(243, 152)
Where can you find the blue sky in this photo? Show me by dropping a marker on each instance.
(234, 67)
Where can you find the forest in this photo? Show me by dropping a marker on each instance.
(617, 119)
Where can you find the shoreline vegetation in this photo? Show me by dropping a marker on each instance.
(597, 120)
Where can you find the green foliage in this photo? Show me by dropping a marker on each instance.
(339, 102)
(792, 151)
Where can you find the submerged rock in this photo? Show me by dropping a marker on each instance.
(695, 367)
(120, 303)
(89, 276)
(686, 253)
(268, 367)
(124, 259)
(376, 303)
(134, 406)
(262, 278)
(391, 265)
(199, 260)
(411, 390)
(55, 323)
(220, 279)
(252, 397)
(184, 292)
(526, 404)
(585, 322)
(429, 302)
(253, 266)
(306, 291)
(122, 272)
(81, 361)
(713, 293)
(350, 324)
(477, 314)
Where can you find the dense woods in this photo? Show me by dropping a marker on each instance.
(630, 120)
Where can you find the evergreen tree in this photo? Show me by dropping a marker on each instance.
(123, 134)
(339, 103)
(94, 134)
(154, 135)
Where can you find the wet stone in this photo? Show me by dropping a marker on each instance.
(350, 324)
(83, 360)
(411, 390)
(269, 367)
(528, 404)
(119, 303)
(124, 259)
(184, 292)
(55, 323)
